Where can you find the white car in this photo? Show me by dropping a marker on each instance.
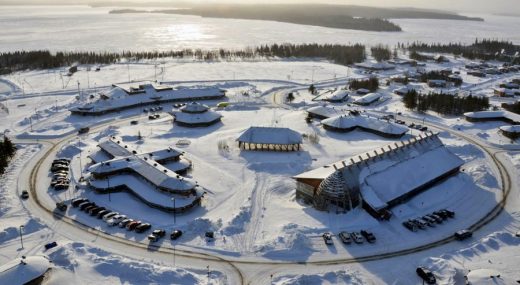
(109, 216)
(115, 220)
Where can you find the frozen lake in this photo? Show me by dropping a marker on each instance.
(85, 28)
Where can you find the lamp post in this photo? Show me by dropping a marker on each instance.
(174, 212)
(21, 235)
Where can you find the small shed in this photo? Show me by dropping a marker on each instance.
(270, 139)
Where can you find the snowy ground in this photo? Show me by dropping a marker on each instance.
(251, 200)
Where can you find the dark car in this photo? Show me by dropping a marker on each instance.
(61, 206)
(83, 130)
(209, 236)
(125, 222)
(134, 122)
(25, 194)
(345, 237)
(78, 201)
(410, 225)
(84, 206)
(175, 234)
(423, 129)
(156, 235)
(426, 275)
(448, 213)
(103, 213)
(132, 225)
(50, 245)
(143, 228)
(369, 236)
(61, 186)
(151, 117)
(59, 167)
(87, 209)
(437, 218)
(96, 211)
(463, 234)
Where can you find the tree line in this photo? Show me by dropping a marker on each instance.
(440, 75)
(484, 49)
(514, 107)
(371, 84)
(24, 60)
(444, 104)
(381, 53)
(7, 150)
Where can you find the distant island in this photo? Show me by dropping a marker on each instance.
(330, 16)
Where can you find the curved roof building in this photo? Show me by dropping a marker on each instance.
(196, 115)
(347, 123)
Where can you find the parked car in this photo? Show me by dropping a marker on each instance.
(345, 237)
(209, 236)
(88, 208)
(96, 211)
(437, 218)
(356, 237)
(61, 206)
(83, 130)
(132, 225)
(431, 221)
(85, 204)
(463, 234)
(426, 275)
(25, 194)
(420, 224)
(125, 222)
(423, 129)
(410, 225)
(369, 236)
(327, 237)
(61, 186)
(115, 220)
(109, 215)
(143, 228)
(151, 117)
(448, 213)
(175, 234)
(50, 245)
(134, 122)
(76, 202)
(156, 235)
(103, 213)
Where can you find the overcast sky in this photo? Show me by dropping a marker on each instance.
(487, 6)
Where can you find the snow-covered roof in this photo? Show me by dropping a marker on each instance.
(371, 123)
(494, 115)
(270, 135)
(338, 95)
(404, 90)
(391, 172)
(511, 129)
(116, 148)
(23, 270)
(117, 98)
(194, 107)
(196, 118)
(368, 99)
(324, 111)
(142, 190)
(149, 169)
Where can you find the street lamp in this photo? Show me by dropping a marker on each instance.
(174, 212)
(21, 235)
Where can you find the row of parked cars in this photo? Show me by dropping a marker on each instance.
(60, 174)
(114, 219)
(153, 109)
(429, 220)
(349, 237)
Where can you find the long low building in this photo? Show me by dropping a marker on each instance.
(368, 99)
(485, 116)
(270, 139)
(25, 270)
(348, 123)
(123, 97)
(119, 168)
(376, 178)
(339, 95)
(512, 132)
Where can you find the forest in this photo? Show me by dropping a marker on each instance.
(484, 49)
(444, 104)
(23, 60)
(7, 150)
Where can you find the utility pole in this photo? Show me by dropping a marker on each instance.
(128, 68)
(208, 273)
(79, 92)
(174, 212)
(108, 189)
(21, 235)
